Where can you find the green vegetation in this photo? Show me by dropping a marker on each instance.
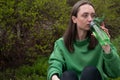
(116, 43)
(37, 71)
(28, 29)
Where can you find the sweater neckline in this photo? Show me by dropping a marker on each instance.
(81, 42)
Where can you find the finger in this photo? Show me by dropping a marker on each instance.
(108, 35)
(105, 29)
(107, 32)
(102, 25)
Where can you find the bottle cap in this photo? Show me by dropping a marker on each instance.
(92, 23)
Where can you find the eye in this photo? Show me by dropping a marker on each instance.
(93, 15)
(85, 15)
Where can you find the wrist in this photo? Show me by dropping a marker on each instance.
(55, 77)
(106, 49)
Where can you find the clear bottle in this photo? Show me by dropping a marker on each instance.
(99, 34)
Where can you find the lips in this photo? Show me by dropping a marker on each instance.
(88, 25)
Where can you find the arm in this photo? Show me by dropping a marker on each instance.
(111, 61)
(111, 58)
(56, 63)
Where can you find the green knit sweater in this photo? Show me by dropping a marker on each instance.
(61, 59)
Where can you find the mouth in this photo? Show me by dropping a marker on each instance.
(88, 25)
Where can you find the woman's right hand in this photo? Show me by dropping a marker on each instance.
(55, 77)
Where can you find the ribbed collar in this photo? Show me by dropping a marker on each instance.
(81, 43)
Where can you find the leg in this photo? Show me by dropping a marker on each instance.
(90, 73)
(69, 75)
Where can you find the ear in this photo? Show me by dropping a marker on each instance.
(74, 19)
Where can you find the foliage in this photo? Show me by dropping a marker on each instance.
(29, 28)
(37, 71)
(116, 43)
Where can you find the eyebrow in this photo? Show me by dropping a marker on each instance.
(88, 13)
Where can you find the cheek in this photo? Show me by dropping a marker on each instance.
(80, 23)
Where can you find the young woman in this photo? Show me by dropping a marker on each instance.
(78, 55)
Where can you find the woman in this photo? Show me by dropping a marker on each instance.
(78, 55)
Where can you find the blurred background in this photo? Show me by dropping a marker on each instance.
(28, 29)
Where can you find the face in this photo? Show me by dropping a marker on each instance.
(85, 15)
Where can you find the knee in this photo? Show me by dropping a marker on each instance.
(90, 69)
(90, 72)
(69, 75)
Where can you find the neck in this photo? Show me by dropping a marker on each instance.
(81, 35)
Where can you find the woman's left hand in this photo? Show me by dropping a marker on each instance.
(106, 48)
(105, 29)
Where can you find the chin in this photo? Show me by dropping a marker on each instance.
(87, 29)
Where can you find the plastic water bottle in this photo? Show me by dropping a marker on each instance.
(99, 34)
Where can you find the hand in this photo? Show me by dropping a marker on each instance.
(55, 77)
(105, 29)
(106, 48)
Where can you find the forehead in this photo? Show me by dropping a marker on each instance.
(86, 8)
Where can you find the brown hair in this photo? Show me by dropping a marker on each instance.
(71, 32)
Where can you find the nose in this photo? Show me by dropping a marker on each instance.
(90, 18)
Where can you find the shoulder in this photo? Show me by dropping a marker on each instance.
(60, 42)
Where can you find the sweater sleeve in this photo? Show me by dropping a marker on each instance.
(56, 62)
(112, 63)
